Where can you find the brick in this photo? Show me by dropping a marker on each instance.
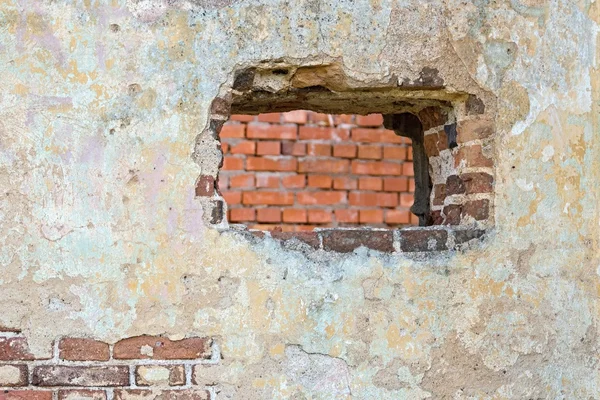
(232, 197)
(454, 185)
(161, 348)
(225, 147)
(296, 216)
(409, 153)
(360, 167)
(267, 181)
(242, 214)
(319, 216)
(363, 135)
(452, 214)
(13, 375)
(231, 163)
(394, 153)
(423, 240)
(216, 208)
(205, 186)
(82, 395)
(310, 238)
(322, 198)
(474, 129)
(293, 149)
(344, 150)
(172, 375)
(366, 199)
(395, 184)
(270, 117)
(318, 149)
(370, 216)
(372, 152)
(296, 117)
(411, 185)
(369, 120)
(407, 199)
(242, 118)
(25, 395)
(268, 198)
(319, 118)
(370, 183)
(241, 181)
(345, 241)
(464, 235)
(477, 182)
(232, 131)
(436, 217)
(472, 156)
(181, 394)
(268, 215)
(346, 216)
(14, 348)
(294, 181)
(220, 106)
(435, 142)
(266, 131)
(268, 148)
(431, 117)
(408, 169)
(60, 375)
(271, 164)
(343, 182)
(81, 349)
(321, 133)
(245, 147)
(414, 220)
(324, 166)
(320, 181)
(439, 194)
(340, 119)
(397, 217)
(477, 209)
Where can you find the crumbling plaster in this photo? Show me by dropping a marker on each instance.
(101, 236)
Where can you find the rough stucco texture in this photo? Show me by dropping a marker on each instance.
(100, 105)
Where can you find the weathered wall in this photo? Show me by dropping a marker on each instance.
(101, 236)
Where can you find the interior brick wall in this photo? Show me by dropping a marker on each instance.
(300, 170)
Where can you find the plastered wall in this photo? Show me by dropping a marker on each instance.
(101, 235)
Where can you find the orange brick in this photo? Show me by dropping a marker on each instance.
(268, 148)
(242, 118)
(376, 168)
(321, 133)
(408, 169)
(296, 117)
(320, 181)
(293, 149)
(372, 152)
(364, 135)
(245, 147)
(318, 149)
(268, 215)
(371, 216)
(394, 217)
(294, 216)
(407, 199)
(241, 214)
(344, 150)
(232, 131)
(472, 156)
(370, 183)
(271, 164)
(294, 181)
(242, 181)
(225, 148)
(232, 197)
(318, 118)
(414, 220)
(347, 119)
(394, 153)
(233, 164)
(409, 155)
(411, 185)
(369, 120)
(268, 198)
(266, 131)
(346, 216)
(267, 181)
(366, 199)
(322, 198)
(343, 182)
(324, 166)
(395, 184)
(474, 129)
(319, 216)
(270, 117)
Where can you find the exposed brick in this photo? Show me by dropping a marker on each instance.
(268, 148)
(452, 214)
(268, 198)
(13, 375)
(270, 117)
(477, 182)
(408, 169)
(25, 395)
(454, 185)
(266, 131)
(411, 185)
(399, 184)
(245, 147)
(172, 375)
(231, 163)
(367, 199)
(370, 183)
(232, 197)
(370, 216)
(322, 198)
(423, 240)
(346, 216)
(474, 129)
(472, 156)
(319, 216)
(268, 215)
(242, 118)
(321, 133)
(181, 394)
(318, 149)
(363, 135)
(241, 181)
(324, 166)
(431, 117)
(319, 118)
(267, 180)
(293, 149)
(344, 182)
(320, 181)
(310, 238)
(81, 395)
(369, 120)
(296, 216)
(225, 147)
(216, 211)
(296, 117)
(345, 241)
(60, 375)
(439, 194)
(220, 106)
(81, 349)
(376, 168)
(161, 348)
(344, 150)
(478, 209)
(340, 119)
(435, 142)
(372, 152)
(436, 217)
(14, 348)
(294, 181)
(394, 153)
(205, 186)
(407, 199)
(242, 214)
(395, 217)
(271, 164)
(232, 131)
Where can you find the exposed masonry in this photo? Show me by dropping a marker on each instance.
(457, 141)
(143, 367)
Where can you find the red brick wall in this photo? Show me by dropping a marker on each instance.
(300, 170)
